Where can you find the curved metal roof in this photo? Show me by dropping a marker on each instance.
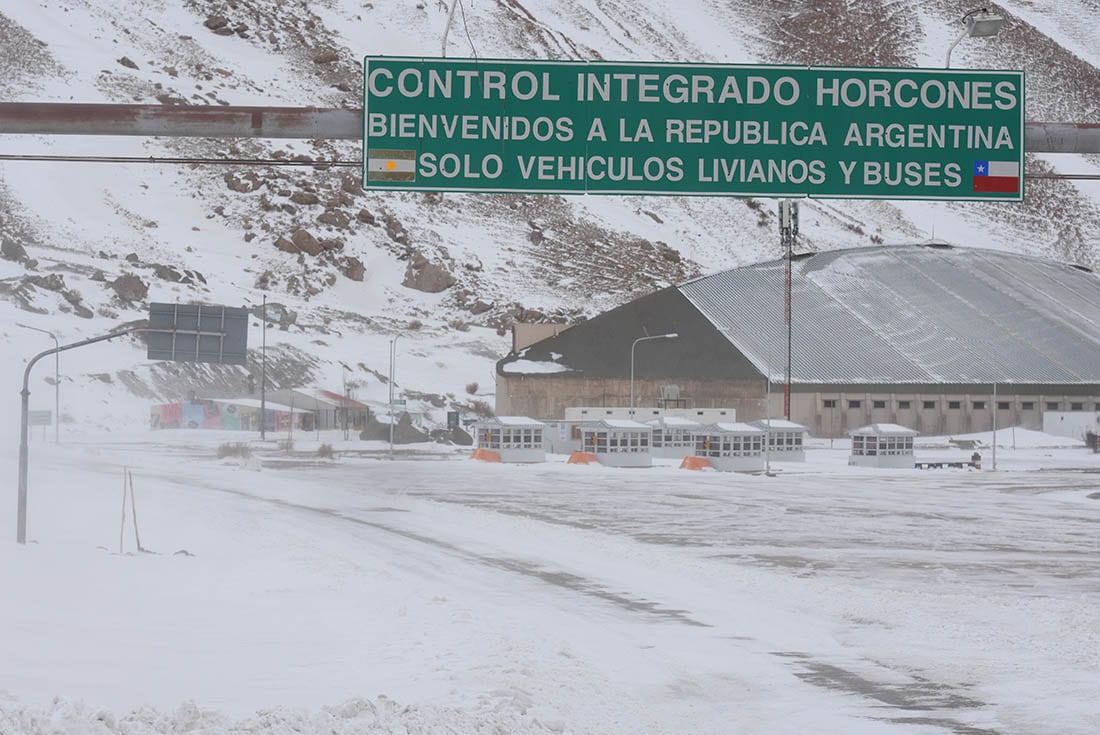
(911, 314)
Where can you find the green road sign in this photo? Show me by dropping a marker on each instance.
(40, 418)
(709, 129)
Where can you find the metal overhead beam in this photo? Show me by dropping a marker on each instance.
(61, 118)
(188, 121)
(1041, 137)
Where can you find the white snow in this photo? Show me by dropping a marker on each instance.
(343, 596)
(534, 366)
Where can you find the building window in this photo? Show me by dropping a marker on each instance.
(1003, 405)
(830, 403)
(1027, 406)
(855, 404)
(955, 405)
(878, 404)
(979, 405)
(1076, 407)
(928, 405)
(1052, 405)
(905, 405)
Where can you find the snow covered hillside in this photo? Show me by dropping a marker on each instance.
(348, 270)
(434, 594)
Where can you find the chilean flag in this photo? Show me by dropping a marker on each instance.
(997, 177)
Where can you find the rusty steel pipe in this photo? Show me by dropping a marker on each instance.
(1041, 137)
(62, 118)
(59, 118)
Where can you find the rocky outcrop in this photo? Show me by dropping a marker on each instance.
(129, 288)
(11, 250)
(424, 275)
(306, 242)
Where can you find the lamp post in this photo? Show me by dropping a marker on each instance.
(670, 335)
(263, 373)
(56, 382)
(393, 360)
(980, 23)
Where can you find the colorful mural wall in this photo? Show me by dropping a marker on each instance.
(215, 415)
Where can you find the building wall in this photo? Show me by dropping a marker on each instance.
(547, 396)
(931, 412)
(952, 410)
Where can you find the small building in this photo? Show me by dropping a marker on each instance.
(786, 440)
(673, 437)
(732, 447)
(618, 442)
(516, 439)
(882, 445)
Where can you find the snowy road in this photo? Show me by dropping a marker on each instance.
(577, 599)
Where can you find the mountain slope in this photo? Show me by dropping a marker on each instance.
(350, 270)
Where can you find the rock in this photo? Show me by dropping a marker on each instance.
(79, 308)
(334, 217)
(305, 198)
(353, 268)
(332, 244)
(243, 182)
(52, 282)
(214, 22)
(352, 185)
(130, 288)
(287, 246)
(668, 253)
(306, 242)
(167, 273)
(426, 276)
(480, 307)
(11, 250)
(132, 258)
(326, 56)
(396, 231)
(365, 217)
(127, 62)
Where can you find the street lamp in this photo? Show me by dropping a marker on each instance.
(56, 382)
(670, 335)
(980, 23)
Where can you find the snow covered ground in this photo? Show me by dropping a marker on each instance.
(433, 594)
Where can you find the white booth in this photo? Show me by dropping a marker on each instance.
(731, 447)
(673, 437)
(882, 445)
(786, 439)
(516, 439)
(618, 442)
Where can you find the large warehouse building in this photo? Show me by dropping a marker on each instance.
(933, 337)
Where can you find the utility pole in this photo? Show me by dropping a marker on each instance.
(788, 231)
(263, 372)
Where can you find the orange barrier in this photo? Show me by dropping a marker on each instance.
(582, 458)
(696, 463)
(485, 455)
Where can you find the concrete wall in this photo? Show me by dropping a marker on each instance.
(1074, 424)
(930, 413)
(547, 397)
